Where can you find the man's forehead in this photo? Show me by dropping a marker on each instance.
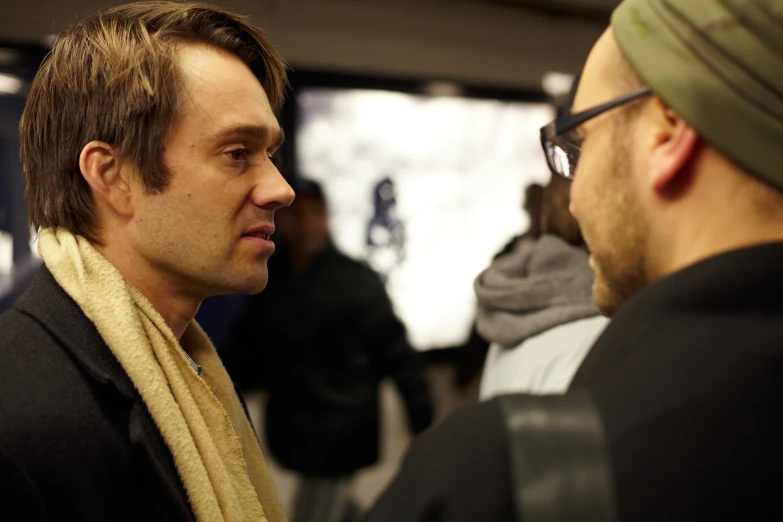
(219, 80)
(222, 98)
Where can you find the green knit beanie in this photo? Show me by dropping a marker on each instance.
(719, 65)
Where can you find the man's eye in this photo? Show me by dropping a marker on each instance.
(237, 154)
(575, 138)
(274, 157)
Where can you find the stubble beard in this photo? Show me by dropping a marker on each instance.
(620, 265)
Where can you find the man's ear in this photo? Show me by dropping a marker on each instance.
(101, 167)
(675, 143)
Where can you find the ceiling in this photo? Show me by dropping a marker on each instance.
(594, 9)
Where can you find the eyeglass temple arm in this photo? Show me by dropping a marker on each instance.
(571, 121)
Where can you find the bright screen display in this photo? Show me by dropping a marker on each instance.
(425, 189)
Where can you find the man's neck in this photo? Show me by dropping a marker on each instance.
(167, 297)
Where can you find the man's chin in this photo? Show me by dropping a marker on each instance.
(605, 300)
(610, 295)
(249, 284)
(254, 286)
(253, 290)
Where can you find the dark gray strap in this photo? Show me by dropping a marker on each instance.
(560, 468)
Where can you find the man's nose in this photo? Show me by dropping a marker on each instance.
(272, 191)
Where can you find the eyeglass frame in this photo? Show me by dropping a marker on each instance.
(568, 122)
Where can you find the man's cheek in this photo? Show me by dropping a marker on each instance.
(576, 206)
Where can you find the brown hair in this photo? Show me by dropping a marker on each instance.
(115, 78)
(555, 216)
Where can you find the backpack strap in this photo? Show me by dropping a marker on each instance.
(560, 468)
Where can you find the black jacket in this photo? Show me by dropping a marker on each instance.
(516, 457)
(76, 439)
(688, 382)
(319, 342)
(459, 471)
(688, 379)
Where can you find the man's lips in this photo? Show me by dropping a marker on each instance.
(262, 232)
(261, 237)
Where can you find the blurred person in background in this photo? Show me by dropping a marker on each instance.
(319, 340)
(472, 354)
(385, 232)
(536, 306)
(533, 202)
(146, 144)
(674, 148)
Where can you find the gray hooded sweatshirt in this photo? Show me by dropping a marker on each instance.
(535, 287)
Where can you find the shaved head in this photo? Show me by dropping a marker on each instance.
(627, 77)
(609, 71)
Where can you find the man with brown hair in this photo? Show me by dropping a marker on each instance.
(146, 142)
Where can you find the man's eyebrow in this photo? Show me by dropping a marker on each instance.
(254, 132)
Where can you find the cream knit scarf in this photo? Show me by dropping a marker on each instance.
(200, 417)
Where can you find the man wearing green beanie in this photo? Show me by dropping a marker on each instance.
(675, 148)
(679, 193)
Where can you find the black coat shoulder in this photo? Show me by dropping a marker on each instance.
(687, 379)
(74, 434)
(58, 427)
(18, 492)
(457, 472)
(44, 394)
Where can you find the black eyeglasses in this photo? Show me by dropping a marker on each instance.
(561, 149)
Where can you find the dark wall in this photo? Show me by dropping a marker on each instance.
(22, 62)
(13, 208)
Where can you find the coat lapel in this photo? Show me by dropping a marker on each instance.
(46, 302)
